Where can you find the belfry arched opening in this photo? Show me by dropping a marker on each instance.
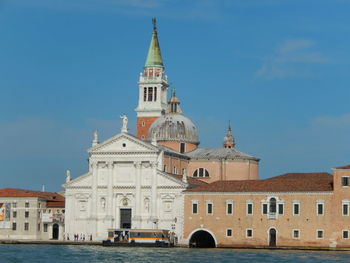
(202, 239)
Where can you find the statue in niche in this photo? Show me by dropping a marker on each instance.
(146, 204)
(103, 204)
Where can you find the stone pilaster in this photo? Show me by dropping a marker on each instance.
(138, 201)
(110, 166)
(154, 186)
(94, 168)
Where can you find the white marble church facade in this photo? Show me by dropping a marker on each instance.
(124, 187)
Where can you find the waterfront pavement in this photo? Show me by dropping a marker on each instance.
(51, 242)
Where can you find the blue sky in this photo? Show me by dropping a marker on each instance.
(278, 70)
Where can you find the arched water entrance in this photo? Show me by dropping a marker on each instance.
(55, 231)
(202, 239)
(272, 237)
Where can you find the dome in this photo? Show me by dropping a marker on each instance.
(173, 127)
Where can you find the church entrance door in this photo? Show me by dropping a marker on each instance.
(125, 218)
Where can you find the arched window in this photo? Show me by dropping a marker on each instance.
(200, 172)
(273, 206)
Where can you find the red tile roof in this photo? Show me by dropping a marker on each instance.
(12, 192)
(291, 182)
(343, 167)
(59, 204)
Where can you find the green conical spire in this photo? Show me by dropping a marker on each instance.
(154, 58)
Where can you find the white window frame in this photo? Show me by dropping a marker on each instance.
(246, 232)
(345, 202)
(278, 208)
(229, 202)
(298, 233)
(249, 202)
(229, 229)
(299, 208)
(320, 202)
(197, 203)
(262, 208)
(204, 172)
(342, 181)
(318, 230)
(207, 203)
(342, 234)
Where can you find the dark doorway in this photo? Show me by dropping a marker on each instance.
(125, 218)
(202, 239)
(55, 231)
(272, 237)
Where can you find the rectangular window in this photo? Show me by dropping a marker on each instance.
(249, 233)
(264, 208)
(296, 209)
(345, 181)
(319, 234)
(296, 233)
(14, 226)
(14, 214)
(345, 234)
(345, 209)
(229, 232)
(280, 209)
(26, 226)
(249, 208)
(209, 208)
(144, 94)
(26, 204)
(150, 94)
(164, 168)
(319, 209)
(195, 208)
(182, 147)
(45, 227)
(229, 208)
(26, 214)
(155, 93)
(14, 205)
(39, 227)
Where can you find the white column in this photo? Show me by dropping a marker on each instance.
(154, 212)
(137, 212)
(110, 166)
(94, 178)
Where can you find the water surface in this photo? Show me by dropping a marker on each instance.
(75, 254)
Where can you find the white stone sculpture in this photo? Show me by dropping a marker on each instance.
(124, 123)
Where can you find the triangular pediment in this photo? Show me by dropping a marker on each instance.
(81, 181)
(123, 142)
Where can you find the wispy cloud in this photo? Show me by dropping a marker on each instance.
(333, 121)
(289, 58)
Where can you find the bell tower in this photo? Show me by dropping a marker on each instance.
(153, 88)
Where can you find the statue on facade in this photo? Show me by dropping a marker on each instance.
(68, 178)
(95, 138)
(124, 123)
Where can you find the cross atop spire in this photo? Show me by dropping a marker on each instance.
(154, 22)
